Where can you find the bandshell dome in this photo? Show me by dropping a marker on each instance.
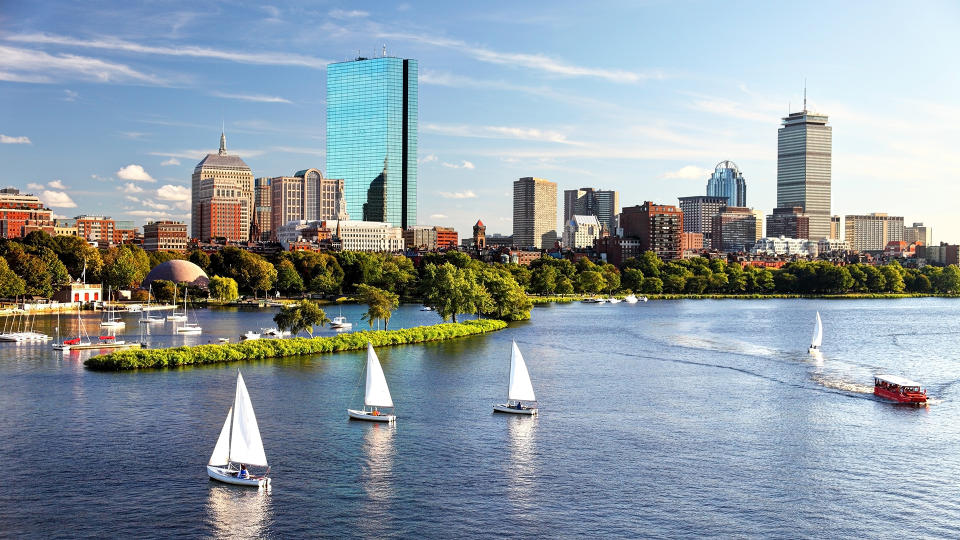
(177, 271)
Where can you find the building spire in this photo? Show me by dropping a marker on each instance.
(223, 143)
(804, 94)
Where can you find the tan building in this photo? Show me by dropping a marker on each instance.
(65, 227)
(872, 232)
(306, 196)
(581, 232)
(165, 236)
(221, 197)
(834, 227)
(918, 232)
(262, 211)
(534, 213)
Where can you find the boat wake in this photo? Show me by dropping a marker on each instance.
(735, 347)
(839, 384)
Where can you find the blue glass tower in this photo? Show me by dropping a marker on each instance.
(727, 181)
(372, 137)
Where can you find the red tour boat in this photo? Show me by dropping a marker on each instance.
(899, 389)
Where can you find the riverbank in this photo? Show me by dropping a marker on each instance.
(279, 348)
(852, 296)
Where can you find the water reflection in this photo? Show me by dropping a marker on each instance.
(378, 469)
(522, 470)
(236, 512)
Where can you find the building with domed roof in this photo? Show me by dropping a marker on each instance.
(221, 197)
(177, 271)
(727, 181)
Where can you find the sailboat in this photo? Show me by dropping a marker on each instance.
(340, 322)
(520, 388)
(188, 327)
(81, 341)
(376, 394)
(817, 337)
(112, 321)
(239, 444)
(145, 316)
(178, 317)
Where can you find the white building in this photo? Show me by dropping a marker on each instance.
(829, 245)
(785, 246)
(353, 235)
(581, 232)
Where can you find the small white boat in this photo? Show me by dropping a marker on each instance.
(520, 388)
(426, 308)
(376, 394)
(817, 337)
(134, 308)
(274, 332)
(593, 300)
(250, 334)
(224, 340)
(614, 300)
(340, 323)
(630, 299)
(643, 298)
(239, 444)
(189, 329)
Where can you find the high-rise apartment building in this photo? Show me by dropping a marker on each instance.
(918, 232)
(372, 137)
(222, 197)
(262, 226)
(804, 146)
(789, 223)
(727, 181)
(534, 213)
(592, 202)
(871, 232)
(305, 196)
(835, 227)
(659, 227)
(21, 214)
(286, 201)
(698, 212)
(734, 229)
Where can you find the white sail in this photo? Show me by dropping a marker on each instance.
(377, 394)
(520, 386)
(221, 452)
(245, 444)
(817, 333)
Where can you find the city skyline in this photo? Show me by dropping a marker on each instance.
(108, 116)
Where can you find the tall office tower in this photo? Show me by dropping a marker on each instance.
(789, 223)
(534, 213)
(659, 228)
(698, 212)
(734, 229)
(262, 214)
(591, 202)
(372, 137)
(804, 146)
(727, 181)
(834, 227)
(286, 202)
(871, 232)
(221, 197)
(918, 233)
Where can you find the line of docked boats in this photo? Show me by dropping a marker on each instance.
(239, 444)
(890, 387)
(630, 299)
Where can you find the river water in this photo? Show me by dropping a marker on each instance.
(664, 419)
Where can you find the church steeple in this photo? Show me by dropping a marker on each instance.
(223, 144)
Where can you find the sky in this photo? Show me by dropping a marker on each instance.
(106, 107)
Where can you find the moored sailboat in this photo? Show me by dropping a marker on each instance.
(178, 317)
(239, 444)
(817, 337)
(520, 388)
(145, 316)
(376, 393)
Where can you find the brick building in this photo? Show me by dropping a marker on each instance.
(21, 214)
(165, 236)
(657, 226)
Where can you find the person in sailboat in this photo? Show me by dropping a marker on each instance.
(519, 406)
(243, 471)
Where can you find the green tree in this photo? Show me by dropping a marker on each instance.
(611, 276)
(11, 285)
(164, 291)
(652, 285)
(591, 282)
(510, 301)
(200, 259)
(543, 279)
(380, 303)
(123, 270)
(224, 289)
(288, 279)
(674, 283)
(449, 290)
(75, 253)
(948, 280)
(632, 278)
(56, 269)
(892, 277)
(564, 286)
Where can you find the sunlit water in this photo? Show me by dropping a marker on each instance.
(669, 418)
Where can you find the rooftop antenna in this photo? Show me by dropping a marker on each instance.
(384, 50)
(804, 94)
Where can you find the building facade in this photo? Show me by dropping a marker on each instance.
(698, 212)
(581, 232)
(918, 232)
(727, 181)
(784, 246)
(479, 235)
(734, 229)
(260, 230)
(65, 227)
(835, 227)
(429, 238)
(804, 157)
(350, 235)
(592, 202)
(165, 236)
(534, 213)
(372, 128)
(789, 223)
(21, 214)
(658, 227)
(872, 232)
(222, 199)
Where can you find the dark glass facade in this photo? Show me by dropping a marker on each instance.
(372, 137)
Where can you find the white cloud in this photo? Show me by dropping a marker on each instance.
(257, 98)
(134, 172)
(116, 44)
(689, 172)
(171, 161)
(57, 199)
(180, 195)
(152, 214)
(497, 132)
(35, 186)
(27, 65)
(345, 14)
(70, 95)
(6, 139)
(438, 216)
(463, 165)
(427, 159)
(130, 187)
(57, 184)
(468, 194)
(151, 204)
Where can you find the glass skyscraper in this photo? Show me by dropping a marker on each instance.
(372, 137)
(804, 148)
(727, 181)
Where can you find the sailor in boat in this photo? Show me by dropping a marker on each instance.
(519, 406)
(242, 473)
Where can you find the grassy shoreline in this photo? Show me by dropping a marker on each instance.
(279, 348)
(670, 296)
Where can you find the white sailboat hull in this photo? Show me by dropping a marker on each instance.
(370, 417)
(151, 320)
(112, 324)
(190, 331)
(509, 409)
(229, 476)
(176, 318)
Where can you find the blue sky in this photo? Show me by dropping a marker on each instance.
(106, 109)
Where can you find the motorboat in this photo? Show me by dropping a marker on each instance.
(594, 300)
(250, 334)
(630, 299)
(274, 332)
(340, 323)
(817, 339)
(426, 308)
(519, 389)
(239, 444)
(614, 300)
(899, 389)
(376, 393)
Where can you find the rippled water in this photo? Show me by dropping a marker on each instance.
(670, 418)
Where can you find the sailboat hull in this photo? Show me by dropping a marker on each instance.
(370, 417)
(528, 411)
(228, 476)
